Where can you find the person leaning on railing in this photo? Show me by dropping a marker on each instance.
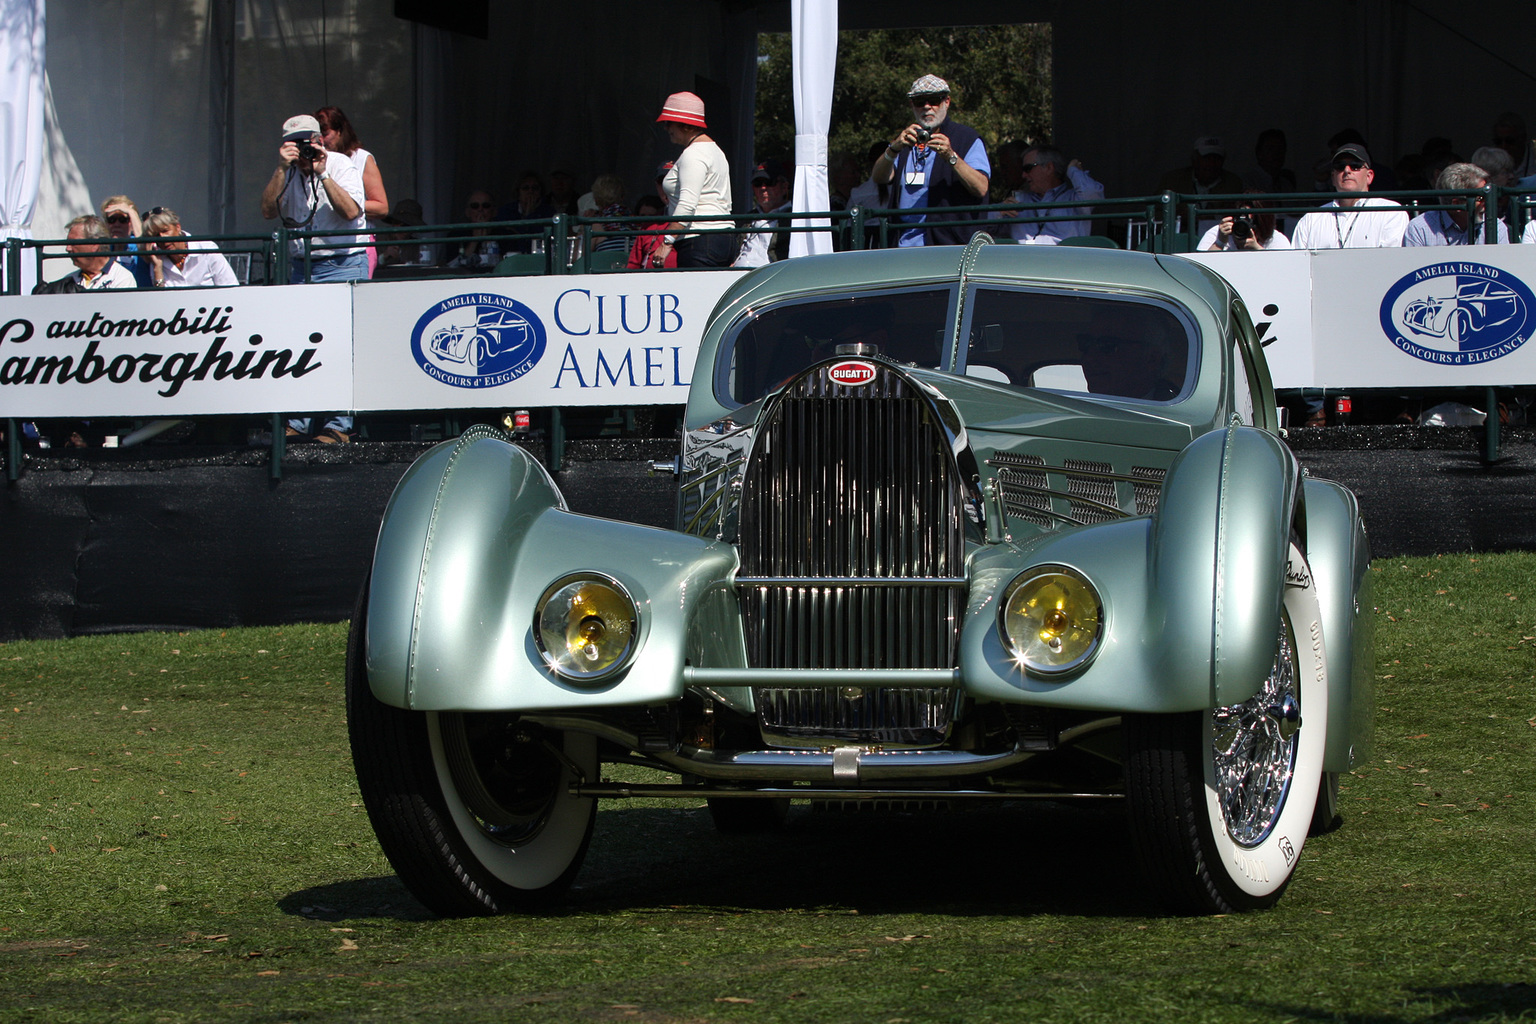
(179, 263)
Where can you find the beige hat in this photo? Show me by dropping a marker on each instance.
(300, 128)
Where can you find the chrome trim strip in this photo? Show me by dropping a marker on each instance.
(852, 581)
(622, 791)
(810, 677)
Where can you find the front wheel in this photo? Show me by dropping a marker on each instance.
(1221, 801)
(473, 810)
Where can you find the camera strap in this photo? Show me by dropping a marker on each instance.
(311, 198)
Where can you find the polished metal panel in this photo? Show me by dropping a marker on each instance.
(852, 554)
(1092, 490)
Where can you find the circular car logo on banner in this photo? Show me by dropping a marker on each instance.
(1458, 314)
(478, 340)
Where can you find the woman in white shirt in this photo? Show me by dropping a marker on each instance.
(179, 263)
(341, 137)
(699, 184)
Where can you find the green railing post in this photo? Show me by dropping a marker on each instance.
(279, 445)
(1490, 199)
(13, 266)
(1170, 203)
(556, 440)
(13, 450)
(857, 217)
(1491, 426)
(284, 256)
(558, 246)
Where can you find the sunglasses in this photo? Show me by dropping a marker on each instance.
(1029, 167)
(936, 100)
(118, 218)
(158, 209)
(1349, 165)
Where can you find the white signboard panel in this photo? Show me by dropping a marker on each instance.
(505, 342)
(1425, 317)
(1277, 289)
(176, 352)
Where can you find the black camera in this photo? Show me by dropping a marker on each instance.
(1242, 227)
(308, 151)
(923, 134)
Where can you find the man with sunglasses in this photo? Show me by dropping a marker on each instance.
(1049, 178)
(934, 162)
(1354, 220)
(121, 216)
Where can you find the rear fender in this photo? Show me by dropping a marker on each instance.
(1340, 556)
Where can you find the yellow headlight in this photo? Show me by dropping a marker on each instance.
(585, 627)
(1051, 620)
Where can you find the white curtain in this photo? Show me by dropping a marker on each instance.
(21, 121)
(813, 27)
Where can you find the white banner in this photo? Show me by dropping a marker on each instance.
(1425, 317)
(176, 352)
(510, 342)
(1431, 316)
(1277, 289)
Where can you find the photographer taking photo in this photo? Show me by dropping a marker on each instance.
(1250, 229)
(315, 189)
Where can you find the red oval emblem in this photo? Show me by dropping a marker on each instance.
(851, 373)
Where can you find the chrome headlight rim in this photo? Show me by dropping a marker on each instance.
(552, 660)
(1020, 656)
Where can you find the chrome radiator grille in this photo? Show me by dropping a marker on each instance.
(851, 518)
(852, 556)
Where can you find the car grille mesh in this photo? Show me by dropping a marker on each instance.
(1076, 492)
(853, 483)
(856, 489)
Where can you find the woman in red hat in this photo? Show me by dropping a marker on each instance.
(698, 185)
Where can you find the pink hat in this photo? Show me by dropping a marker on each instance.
(684, 108)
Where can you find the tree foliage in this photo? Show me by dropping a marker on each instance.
(999, 77)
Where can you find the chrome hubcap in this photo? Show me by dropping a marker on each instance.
(1253, 748)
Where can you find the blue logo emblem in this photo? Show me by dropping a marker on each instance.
(1458, 314)
(478, 340)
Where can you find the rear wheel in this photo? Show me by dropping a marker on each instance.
(473, 810)
(1221, 801)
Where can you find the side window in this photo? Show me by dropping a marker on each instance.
(1116, 346)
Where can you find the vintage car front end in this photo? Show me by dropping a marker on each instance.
(960, 524)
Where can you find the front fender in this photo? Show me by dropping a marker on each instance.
(1191, 595)
(1340, 556)
(474, 534)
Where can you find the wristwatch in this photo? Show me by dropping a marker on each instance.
(954, 158)
(325, 175)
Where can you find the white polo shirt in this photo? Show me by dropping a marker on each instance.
(1372, 223)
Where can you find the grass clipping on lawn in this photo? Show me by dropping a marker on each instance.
(181, 839)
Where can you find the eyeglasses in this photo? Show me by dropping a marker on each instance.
(158, 209)
(1026, 168)
(118, 218)
(931, 100)
(1349, 165)
(479, 206)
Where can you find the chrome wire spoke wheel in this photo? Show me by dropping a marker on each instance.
(1253, 749)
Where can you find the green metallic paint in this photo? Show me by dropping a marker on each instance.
(450, 621)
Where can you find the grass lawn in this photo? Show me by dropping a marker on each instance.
(181, 840)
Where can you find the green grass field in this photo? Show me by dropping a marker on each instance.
(181, 840)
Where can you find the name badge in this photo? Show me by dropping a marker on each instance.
(916, 173)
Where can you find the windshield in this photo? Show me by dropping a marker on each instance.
(776, 344)
(1119, 346)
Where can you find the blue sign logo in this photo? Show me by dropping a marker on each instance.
(478, 340)
(1458, 314)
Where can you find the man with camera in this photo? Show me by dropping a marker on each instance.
(934, 162)
(315, 190)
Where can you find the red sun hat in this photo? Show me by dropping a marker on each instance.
(684, 108)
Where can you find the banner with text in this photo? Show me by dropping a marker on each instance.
(1432, 316)
(175, 352)
(505, 342)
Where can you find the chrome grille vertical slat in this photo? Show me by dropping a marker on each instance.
(852, 482)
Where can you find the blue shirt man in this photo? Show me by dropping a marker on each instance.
(934, 162)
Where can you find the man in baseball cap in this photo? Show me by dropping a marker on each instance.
(934, 162)
(1354, 220)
